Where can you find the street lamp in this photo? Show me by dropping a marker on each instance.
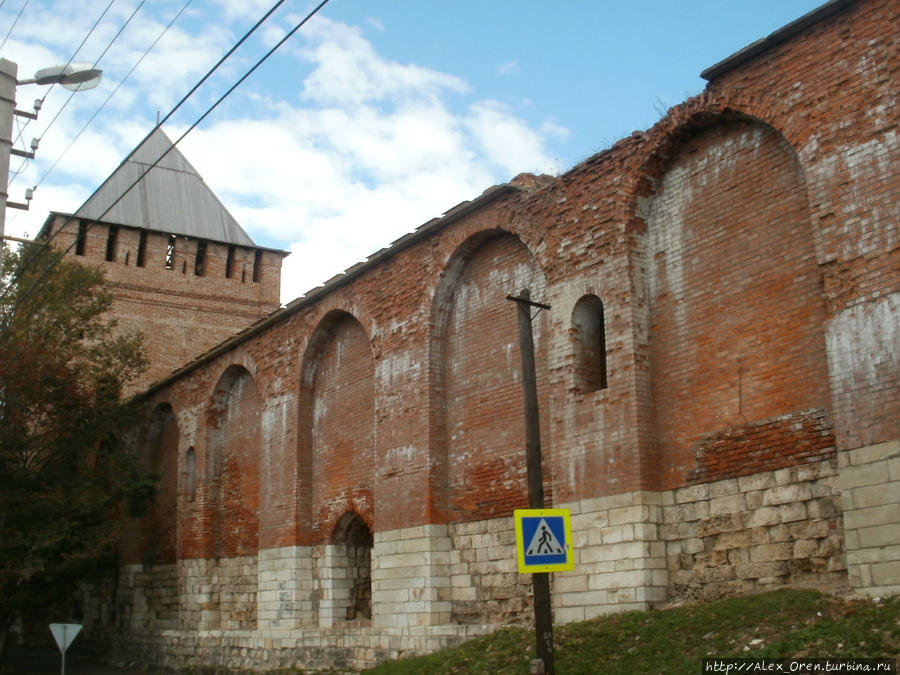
(72, 76)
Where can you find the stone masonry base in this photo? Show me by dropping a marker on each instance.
(870, 485)
(437, 585)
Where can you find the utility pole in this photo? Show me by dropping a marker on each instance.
(543, 617)
(72, 76)
(8, 81)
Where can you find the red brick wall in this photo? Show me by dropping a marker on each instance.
(736, 313)
(233, 464)
(154, 539)
(745, 253)
(840, 115)
(338, 409)
(483, 405)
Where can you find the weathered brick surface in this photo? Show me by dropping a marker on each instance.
(743, 252)
(338, 413)
(181, 310)
(736, 321)
(481, 366)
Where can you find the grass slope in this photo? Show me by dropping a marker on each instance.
(784, 623)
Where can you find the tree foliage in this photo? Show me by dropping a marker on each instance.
(65, 468)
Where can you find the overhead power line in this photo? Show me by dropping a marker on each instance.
(78, 49)
(50, 88)
(209, 110)
(18, 16)
(63, 107)
(114, 91)
(159, 123)
(184, 98)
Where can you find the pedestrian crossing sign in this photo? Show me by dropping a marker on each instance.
(544, 540)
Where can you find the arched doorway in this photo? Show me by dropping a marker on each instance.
(352, 541)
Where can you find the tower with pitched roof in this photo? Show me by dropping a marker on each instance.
(183, 270)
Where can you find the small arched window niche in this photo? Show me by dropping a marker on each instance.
(589, 337)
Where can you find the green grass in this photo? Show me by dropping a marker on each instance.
(785, 623)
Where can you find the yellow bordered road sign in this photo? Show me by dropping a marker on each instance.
(544, 540)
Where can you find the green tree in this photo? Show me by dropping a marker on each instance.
(66, 474)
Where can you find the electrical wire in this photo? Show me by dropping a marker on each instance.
(18, 16)
(71, 58)
(75, 53)
(113, 92)
(99, 58)
(184, 98)
(103, 53)
(24, 163)
(50, 88)
(24, 295)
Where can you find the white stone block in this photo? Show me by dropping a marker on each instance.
(628, 514)
(726, 504)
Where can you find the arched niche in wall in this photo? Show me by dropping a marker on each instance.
(737, 349)
(352, 540)
(159, 540)
(588, 334)
(233, 438)
(477, 411)
(337, 424)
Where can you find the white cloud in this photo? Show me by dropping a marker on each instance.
(349, 71)
(507, 141)
(377, 150)
(353, 153)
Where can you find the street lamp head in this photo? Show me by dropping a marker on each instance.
(73, 76)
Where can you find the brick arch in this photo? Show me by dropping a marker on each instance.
(238, 360)
(336, 451)
(648, 161)
(332, 307)
(153, 542)
(351, 527)
(233, 438)
(476, 410)
(228, 499)
(733, 289)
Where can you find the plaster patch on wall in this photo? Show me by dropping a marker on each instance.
(846, 184)
(864, 343)
(666, 239)
(395, 368)
(864, 362)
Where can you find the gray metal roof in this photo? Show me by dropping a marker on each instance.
(171, 198)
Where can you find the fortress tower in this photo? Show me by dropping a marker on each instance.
(183, 270)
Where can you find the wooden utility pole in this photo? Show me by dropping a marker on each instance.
(543, 617)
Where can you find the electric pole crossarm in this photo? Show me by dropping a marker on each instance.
(525, 299)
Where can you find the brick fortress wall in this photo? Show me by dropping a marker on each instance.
(718, 379)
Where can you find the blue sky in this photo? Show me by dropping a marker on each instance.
(376, 116)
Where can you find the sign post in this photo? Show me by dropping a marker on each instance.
(64, 634)
(540, 581)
